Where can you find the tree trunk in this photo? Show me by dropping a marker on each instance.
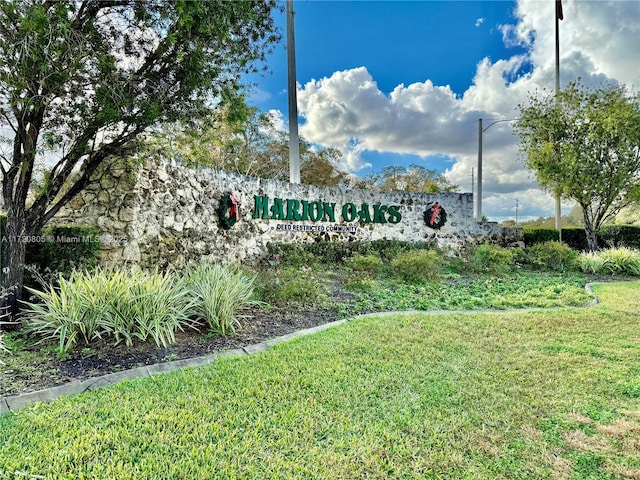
(592, 238)
(13, 252)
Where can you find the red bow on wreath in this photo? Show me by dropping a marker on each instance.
(234, 212)
(435, 213)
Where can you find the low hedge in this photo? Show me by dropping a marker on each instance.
(620, 236)
(576, 238)
(540, 235)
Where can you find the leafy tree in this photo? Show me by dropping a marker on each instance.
(81, 80)
(270, 159)
(574, 218)
(319, 167)
(629, 215)
(247, 141)
(595, 134)
(225, 139)
(416, 178)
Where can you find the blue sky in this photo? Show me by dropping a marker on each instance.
(398, 42)
(396, 83)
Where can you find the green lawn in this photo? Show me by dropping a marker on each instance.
(480, 396)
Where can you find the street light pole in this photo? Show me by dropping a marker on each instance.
(478, 215)
(478, 211)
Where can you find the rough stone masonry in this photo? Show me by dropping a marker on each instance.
(166, 214)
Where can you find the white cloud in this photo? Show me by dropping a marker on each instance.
(479, 22)
(602, 33)
(347, 110)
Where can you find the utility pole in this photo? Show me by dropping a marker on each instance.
(559, 16)
(516, 211)
(294, 143)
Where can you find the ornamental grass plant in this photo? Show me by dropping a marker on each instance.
(218, 295)
(157, 304)
(120, 304)
(612, 261)
(71, 312)
(591, 262)
(622, 261)
(136, 305)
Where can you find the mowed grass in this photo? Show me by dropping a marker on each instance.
(536, 395)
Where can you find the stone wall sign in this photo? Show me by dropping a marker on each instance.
(167, 214)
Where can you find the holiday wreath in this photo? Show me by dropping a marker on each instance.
(435, 216)
(228, 210)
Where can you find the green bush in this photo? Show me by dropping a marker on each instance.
(67, 247)
(418, 266)
(613, 261)
(288, 255)
(219, 293)
(332, 252)
(364, 266)
(456, 265)
(487, 258)
(620, 236)
(555, 256)
(576, 238)
(359, 284)
(299, 255)
(124, 305)
(57, 249)
(539, 235)
(285, 285)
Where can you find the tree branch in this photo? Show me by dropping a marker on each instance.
(95, 160)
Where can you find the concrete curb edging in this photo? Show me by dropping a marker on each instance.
(16, 402)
